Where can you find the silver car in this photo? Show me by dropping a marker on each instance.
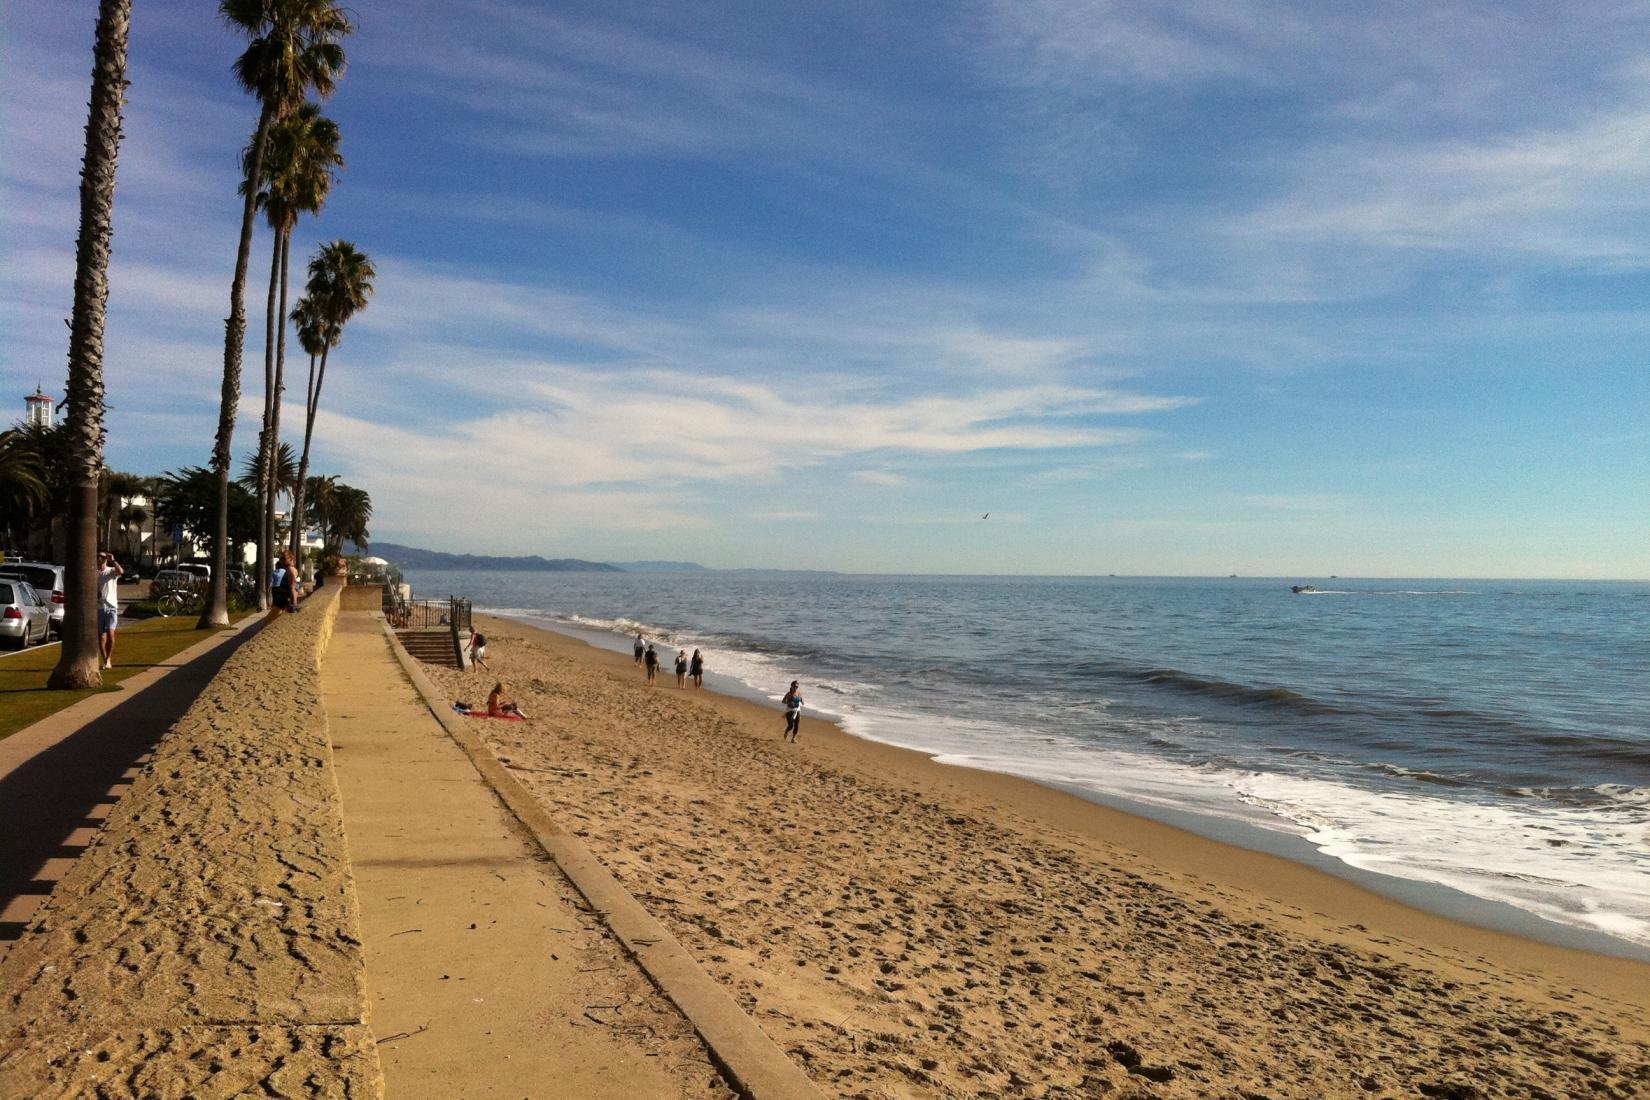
(47, 580)
(24, 617)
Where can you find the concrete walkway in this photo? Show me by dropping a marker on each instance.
(486, 974)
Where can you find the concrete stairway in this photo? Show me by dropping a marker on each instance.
(433, 647)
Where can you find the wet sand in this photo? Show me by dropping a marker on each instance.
(908, 929)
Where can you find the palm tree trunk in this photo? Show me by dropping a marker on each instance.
(262, 569)
(78, 665)
(309, 432)
(275, 410)
(234, 336)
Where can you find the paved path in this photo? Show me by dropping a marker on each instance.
(60, 777)
(486, 975)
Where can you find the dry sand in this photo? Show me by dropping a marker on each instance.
(906, 929)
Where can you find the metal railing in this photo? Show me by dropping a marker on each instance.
(451, 615)
(453, 611)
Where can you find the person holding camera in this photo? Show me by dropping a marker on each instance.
(109, 573)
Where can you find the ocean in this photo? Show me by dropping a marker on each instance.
(1484, 740)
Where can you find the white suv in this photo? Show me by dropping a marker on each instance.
(48, 583)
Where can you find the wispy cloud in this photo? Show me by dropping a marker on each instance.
(787, 516)
(886, 479)
(575, 426)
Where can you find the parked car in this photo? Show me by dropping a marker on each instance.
(199, 569)
(168, 580)
(47, 581)
(24, 617)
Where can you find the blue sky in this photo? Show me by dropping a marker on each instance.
(1254, 287)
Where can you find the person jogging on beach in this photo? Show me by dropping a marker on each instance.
(640, 646)
(696, 670)
(650, 659)
(109, 573)
(681, 668)
(793, 712)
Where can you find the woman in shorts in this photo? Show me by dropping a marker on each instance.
(793, 712)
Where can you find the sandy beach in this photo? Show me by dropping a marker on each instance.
(908, 929)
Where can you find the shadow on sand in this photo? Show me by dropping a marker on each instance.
(52, 803)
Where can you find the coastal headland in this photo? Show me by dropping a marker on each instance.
(904, 928)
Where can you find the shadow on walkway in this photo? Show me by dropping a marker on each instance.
(52, 804)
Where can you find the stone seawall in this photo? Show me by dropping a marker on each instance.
(206, 943)
(362, 597)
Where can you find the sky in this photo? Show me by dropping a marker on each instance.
(1259, 288)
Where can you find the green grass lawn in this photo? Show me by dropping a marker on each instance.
(24, 699)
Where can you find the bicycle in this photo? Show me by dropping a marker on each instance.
(179, 600)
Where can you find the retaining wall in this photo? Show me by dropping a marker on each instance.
(363, 597)
(206, 943)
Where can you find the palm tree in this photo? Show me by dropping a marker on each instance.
(351, 511)
(151, 491)
(132, 516)
(295, 48)
(23, 487)
(78, 665)
(340, 282)
(286, 471)
(299, 170)
(117, 487)
(306, 316)
(318, 492)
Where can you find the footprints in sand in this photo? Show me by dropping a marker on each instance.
(899, 946)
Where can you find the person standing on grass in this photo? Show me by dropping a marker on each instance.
(478, 650)
(109, 573)
(640, 646)
(650, 659)
(681, 668)
(793, 712)
(696, 670)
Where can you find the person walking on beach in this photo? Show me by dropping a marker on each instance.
(109, 573)
(650, 659)
(478, 650)
(640, 646)
(793, 712)
(681, 668)
(696, 670)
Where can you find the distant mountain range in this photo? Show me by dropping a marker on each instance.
(411, 557)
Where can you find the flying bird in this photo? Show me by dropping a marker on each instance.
(986, 516)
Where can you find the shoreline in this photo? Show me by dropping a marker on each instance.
(904, 928)
(1431, 899)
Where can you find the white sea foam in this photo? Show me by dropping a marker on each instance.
(1583, 867)
(1577, 866)
(1580, 867)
